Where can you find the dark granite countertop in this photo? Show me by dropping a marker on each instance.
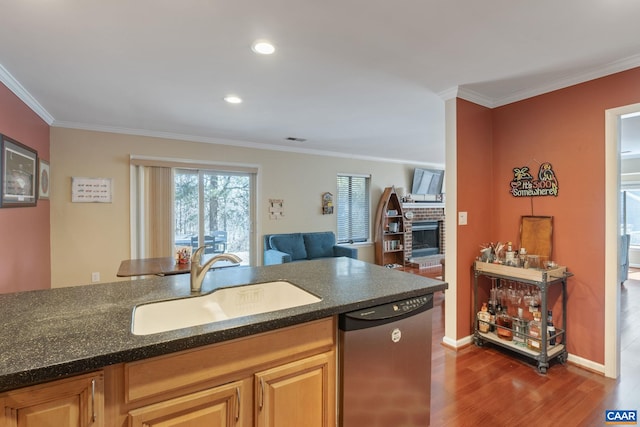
(54, 333)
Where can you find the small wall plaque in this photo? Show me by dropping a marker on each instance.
(91, 190)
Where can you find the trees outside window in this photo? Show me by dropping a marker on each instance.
(213, 209)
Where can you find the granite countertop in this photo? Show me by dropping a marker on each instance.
(54, 333)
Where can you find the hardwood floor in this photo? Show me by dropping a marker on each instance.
(488, 386)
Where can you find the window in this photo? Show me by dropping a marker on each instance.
(213, 209)
(630, 220)
(353, 208)
(184, 203)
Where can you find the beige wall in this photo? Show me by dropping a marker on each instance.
(88, 238)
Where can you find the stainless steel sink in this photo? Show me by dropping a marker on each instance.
(222, 304)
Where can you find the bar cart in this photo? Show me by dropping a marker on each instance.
(541, 279)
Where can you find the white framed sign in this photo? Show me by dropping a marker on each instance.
(91, 190)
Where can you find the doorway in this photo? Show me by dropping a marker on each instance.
(613, 215)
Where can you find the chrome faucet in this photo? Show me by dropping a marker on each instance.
(199, 271)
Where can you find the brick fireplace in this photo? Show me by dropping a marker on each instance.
(424, 215)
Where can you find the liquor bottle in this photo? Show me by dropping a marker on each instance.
(509, 255)
(505, 323)
(519, 328)
(551, 330)
(492, 316)
(484, 318)
(534, 338)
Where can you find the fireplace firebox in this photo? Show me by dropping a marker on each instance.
(425, 238)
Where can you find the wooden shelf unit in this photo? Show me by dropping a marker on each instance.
(389, 241)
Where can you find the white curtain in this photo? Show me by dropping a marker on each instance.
(157, 212)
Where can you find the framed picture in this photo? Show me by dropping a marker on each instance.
(44, 179)
(19, 174)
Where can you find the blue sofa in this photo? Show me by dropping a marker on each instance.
(282, 248)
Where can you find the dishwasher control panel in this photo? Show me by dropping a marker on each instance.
(393, 309)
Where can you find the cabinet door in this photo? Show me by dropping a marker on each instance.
(74, 402)
(301, 393)
(215, 407)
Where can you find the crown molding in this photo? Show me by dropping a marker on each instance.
(570, 80)
(231, 142)
(14, 86)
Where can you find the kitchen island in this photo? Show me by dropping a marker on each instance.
(57, 333)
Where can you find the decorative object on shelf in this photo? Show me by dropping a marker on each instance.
(91, 190)
(183, 254)
(327, 203)
(524, 185)
(276, 208)
(19, 179)
(44, 180)
(536, 234)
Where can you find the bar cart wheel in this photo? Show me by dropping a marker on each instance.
(479, 342)
(562, 357)
(542, 367)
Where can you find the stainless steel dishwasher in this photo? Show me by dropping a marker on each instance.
(385, 365)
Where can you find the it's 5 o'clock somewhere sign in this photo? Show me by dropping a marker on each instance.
(526, 185)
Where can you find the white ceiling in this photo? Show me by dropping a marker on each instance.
(355, 77)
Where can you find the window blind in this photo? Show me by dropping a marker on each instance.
(353, 208)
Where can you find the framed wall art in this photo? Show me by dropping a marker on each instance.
(44, 179)
(18, 175)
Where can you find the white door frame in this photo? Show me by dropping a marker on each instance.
(612, 239)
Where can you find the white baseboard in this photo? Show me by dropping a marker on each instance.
(459, 343)
(586, 364)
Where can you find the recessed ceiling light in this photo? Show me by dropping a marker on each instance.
(263, 47)
(233, 99)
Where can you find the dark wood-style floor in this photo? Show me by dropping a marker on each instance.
(490, 387)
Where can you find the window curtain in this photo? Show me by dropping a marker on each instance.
(158, 212)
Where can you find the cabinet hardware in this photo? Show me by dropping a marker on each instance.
(261, 394)
(237, 403)
(93, 400)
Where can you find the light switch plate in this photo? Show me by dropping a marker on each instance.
(462, 218)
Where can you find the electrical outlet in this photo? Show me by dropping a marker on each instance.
(95, 277)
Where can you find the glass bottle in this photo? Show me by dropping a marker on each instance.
(534, 338)
(519, 328)
(484, 318)
(492, 316)
(551, 330)
(505, 324)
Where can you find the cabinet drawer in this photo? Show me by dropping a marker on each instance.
(163, 374)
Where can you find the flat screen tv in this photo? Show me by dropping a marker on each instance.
(427, 181)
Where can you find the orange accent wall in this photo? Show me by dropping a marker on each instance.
(25, 256)
(475, 189)
(566, 128)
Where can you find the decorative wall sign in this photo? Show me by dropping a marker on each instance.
(524, 184)
(90, 190)
(276, 208)
(327, 203)
(44, 180)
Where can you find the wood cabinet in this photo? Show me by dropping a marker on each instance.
(216, 407)
(389, 230)
(71, 402)
(297, 394)
(285, 377)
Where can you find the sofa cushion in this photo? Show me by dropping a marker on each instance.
(319, 245)
(292, 244)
